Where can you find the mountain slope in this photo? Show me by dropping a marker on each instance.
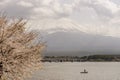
(80, 43)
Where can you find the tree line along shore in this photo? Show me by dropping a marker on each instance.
(90, 58)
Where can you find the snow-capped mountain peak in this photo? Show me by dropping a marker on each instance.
(64, 25)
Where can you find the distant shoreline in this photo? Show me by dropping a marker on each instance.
(90, 58)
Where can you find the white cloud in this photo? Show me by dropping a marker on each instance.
(46, 2)
(104, 8)
(25, 4)
(52, 9)
(2, 2)
(43, 13)
(37, 8)
(96, 16)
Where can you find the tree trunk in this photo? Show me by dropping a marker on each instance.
(1, 70)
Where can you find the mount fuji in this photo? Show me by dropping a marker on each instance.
(71, 39)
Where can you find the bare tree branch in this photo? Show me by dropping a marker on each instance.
(19, 56)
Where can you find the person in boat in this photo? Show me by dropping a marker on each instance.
(85, 71)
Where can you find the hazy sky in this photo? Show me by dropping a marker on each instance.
(91, 16)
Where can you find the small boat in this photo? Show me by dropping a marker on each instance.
(84, 72)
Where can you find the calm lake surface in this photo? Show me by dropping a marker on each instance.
(71, 71)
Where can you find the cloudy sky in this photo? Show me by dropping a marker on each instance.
(91, 16)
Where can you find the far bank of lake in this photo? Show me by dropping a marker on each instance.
(89, 58)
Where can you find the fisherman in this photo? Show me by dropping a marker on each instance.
(85, 70)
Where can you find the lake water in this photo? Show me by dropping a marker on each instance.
(71, 71)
